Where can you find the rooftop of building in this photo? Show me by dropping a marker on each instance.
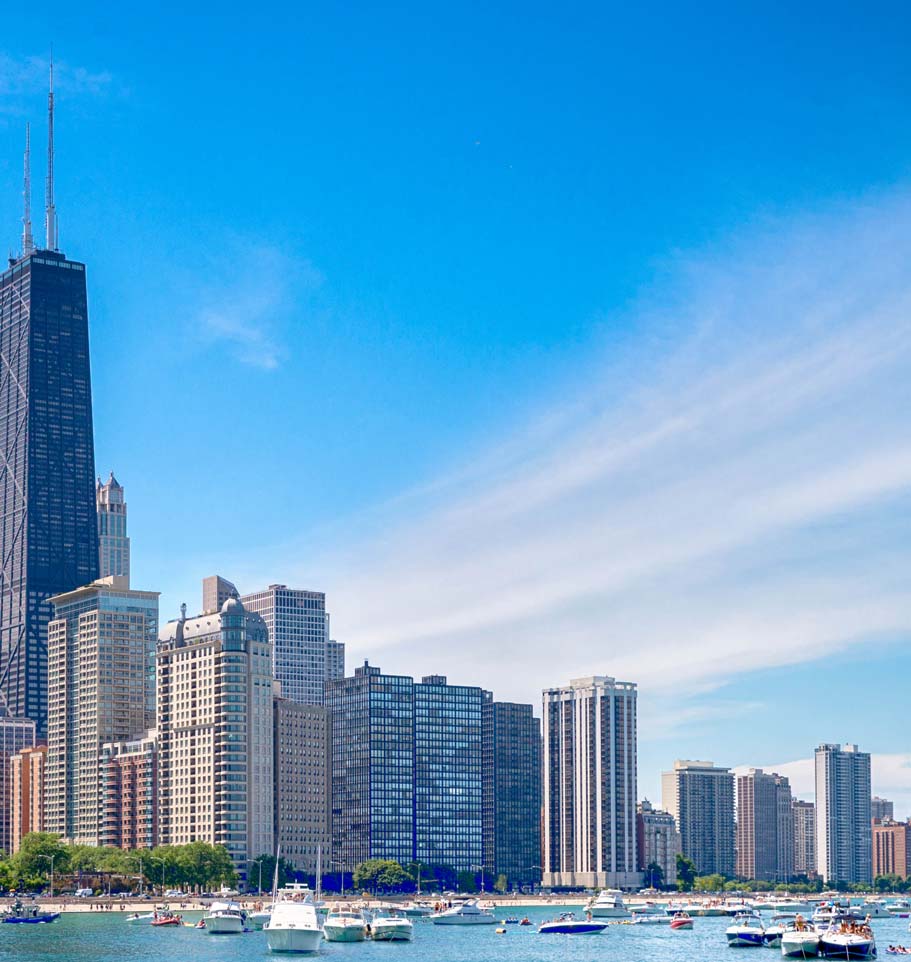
(112, 585)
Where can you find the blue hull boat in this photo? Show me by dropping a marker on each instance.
(31, 920)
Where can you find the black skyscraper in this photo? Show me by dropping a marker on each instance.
(48, 527)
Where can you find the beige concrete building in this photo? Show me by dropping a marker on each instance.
(303, 785)
(804, 818)
(589, 766)
(701, 799)
(100, 658)
(27, 773)
(215, 732)
(891, 848)
(657, 842)
(765, 829)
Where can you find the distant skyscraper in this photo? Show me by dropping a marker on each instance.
(27, 774)
(590, 784)
(891, 848)
(804, 818)
(511, 799)
(129, 792)
(100, 645)
(881, 808)
(657, 842)
(372, 767)
(843, 831)
(765, 829)
(215, 722)
(16, 734)
(303, 656)
(215, 592)
(701, 799)
(113, 543)
(48, 528)
(303, 788)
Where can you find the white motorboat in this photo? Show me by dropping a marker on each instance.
(778, 925)
(344, 926)
(874, 909)
(710, 907)
(747, 931)
(646, 919)
(899, 908)
(416, 909)
(225, 918)
(608, 904)
(846, 939)
(391, 928)
(567, 924)
(799, 941)
(294, 927)
(139, 918)
(468, 913)
(259, 918)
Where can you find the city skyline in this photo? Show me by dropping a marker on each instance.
(705, 498)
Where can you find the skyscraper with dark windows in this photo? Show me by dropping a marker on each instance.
(48, 528)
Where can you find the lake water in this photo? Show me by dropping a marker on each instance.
(108, 938)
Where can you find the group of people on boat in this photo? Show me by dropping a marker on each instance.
(854, 927)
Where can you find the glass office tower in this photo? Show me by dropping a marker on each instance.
(48, 528)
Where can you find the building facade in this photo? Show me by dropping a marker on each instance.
(215, 732)
(304, 658)
(843, 821)
(113, 542)
(657, 843)
(511, 791)
(372, 740)
(27, 774)
(803, 815)
(16, 734)
(881, 809)
(48, 528)
(765, 828)
(215, 592)
(589, 774)
(891, 848)
(303, 787)
(701, 799)
(100, 648)
(129, 792)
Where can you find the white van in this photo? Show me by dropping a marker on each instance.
(83, 893)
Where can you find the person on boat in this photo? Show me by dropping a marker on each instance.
(800, 923)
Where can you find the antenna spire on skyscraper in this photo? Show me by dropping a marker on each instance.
(28, 244)
(50, 212)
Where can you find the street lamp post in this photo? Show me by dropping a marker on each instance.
(479, 868)
(141, 876)
(335, 861)
(50, 858)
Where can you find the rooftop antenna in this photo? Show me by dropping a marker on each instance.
(50, 212)
(28, 244)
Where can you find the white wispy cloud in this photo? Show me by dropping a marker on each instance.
(254, 290)
(706, 504)
(23, 81)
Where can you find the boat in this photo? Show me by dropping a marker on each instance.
(681, 921)
(567, 924)
(391, 928)
(293, 927)
(140, 917)
(468, 913)
(710, 907)
(637, 919)
(416, 909)
(874, 909)
(608, 904)
(835, 911)
(747, 931)
(20, 913)
(799, 940)
(778, 925)
(525, 921)
(259, 917)
(225, 918)
(788, 905)
(900, 908)
(344, 925)
(648, 908)
(846, 939)
(512, 920)
(167, 919)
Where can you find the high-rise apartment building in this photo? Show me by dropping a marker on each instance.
(27, 774)
(891, 848)
(48, 528)
(589, 768)
(113, 543)
(701, 799)
(101, 644)
(881, 809)
(765, 828)
(372, 767)
(803, 815)
(304, 658)
(215, 732)
(303, 787)
(657, 843)
(16, 734)
(215, 592)
(129, 792)
(511, 791)
(843, 822)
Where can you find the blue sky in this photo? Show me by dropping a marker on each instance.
(546, 341)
